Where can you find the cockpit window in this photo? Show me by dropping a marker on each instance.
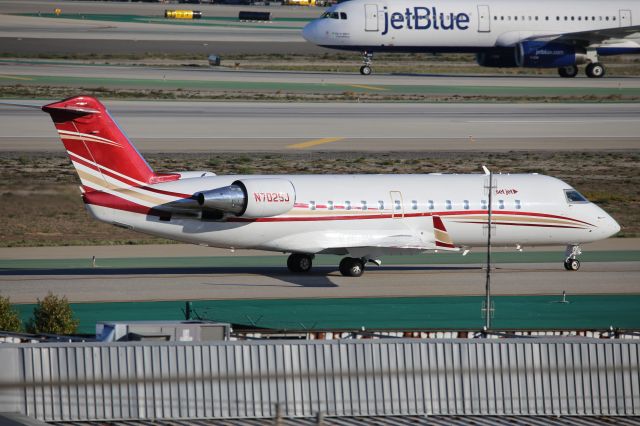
(574, 196)
(343, 15)
(333, 15)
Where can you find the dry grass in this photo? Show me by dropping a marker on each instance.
(41, 206)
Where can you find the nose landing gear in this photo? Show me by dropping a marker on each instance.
(570, 262)
(367, 59)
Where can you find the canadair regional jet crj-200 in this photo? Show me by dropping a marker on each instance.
(362, 217)
(503, 33)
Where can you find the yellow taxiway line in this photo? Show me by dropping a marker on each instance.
(314, 142)
(11, 77)
(364, 86)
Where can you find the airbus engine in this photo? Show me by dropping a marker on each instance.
(538, 54)
(497, 58)
(250, 198)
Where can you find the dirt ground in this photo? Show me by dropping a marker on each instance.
(41, 206)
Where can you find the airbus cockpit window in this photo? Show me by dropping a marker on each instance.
(343, 15)
(332, 15)
(574, 196)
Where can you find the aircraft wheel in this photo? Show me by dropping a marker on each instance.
(365, 70)
(568, 71)
(572, 265)
(351, 267)
(298, 262)
(595, 70)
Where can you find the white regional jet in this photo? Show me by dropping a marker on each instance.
(558, 34)
(362, 217)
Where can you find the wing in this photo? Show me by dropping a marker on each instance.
(431, 237)
(587, 38)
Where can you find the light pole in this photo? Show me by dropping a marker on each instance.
(488, 310)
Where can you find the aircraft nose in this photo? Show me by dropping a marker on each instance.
(310, 32)
(609, 226)
(614, 226)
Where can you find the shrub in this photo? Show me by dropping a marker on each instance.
(53, 315)
(9, 317)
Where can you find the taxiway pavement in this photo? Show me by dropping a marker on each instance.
(239, 127)
(189, 275)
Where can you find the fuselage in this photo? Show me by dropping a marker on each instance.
(337, 211)
(467, 26)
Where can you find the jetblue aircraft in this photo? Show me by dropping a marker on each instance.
(361, 217)
(502, 33)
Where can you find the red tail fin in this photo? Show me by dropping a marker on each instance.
(100, 151)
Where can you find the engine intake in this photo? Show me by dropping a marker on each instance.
(250, 198)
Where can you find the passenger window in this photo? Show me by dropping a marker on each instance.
(414, 205)
(448, 204)
(363, 205)
(483, 204)
(330, 205)
(398, 205)
(347, 205)
(312, 205)
(380, 205)
(501, 204)
(466, 204)
(343, 15)
(574, 196)
(431, 206)
(518, 205)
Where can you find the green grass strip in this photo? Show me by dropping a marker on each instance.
(446, 313)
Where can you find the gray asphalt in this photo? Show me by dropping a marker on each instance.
(32, 35)
(257, 283)
(233, 127)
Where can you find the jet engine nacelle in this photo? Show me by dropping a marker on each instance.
(250, 198)
(497, 58)
(539, 54)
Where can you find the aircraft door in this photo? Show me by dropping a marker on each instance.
(371, 17)
(625, 18)
(484, 19)
(397, 206)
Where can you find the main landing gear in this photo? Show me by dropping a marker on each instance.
(300, 262)
(349, 266)
(593, 70)
(568, 71)
(570, 262)
(367, 59)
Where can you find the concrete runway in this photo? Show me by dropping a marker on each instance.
(150, 75)
(153, 284)
(33, 35)
(239, 127)
(237, 281)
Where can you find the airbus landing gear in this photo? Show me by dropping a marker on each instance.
(351, 267)
(568, 71)
(570, 262)
(367, 58)
(299, 262)
(595, 70)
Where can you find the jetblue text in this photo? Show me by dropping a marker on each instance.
(424, 18)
